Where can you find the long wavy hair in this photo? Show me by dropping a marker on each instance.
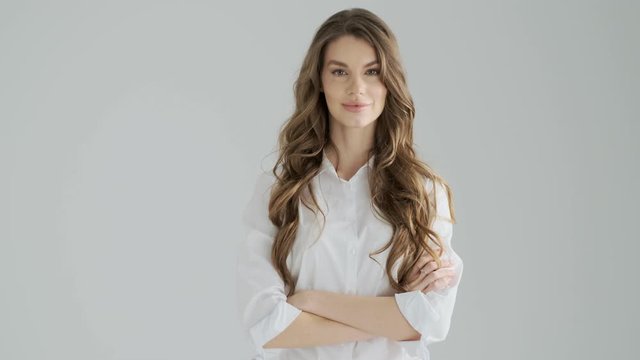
(397, 178)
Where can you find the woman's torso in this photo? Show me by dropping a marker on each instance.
(336, 258)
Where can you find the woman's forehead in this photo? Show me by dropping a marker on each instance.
(350, 51)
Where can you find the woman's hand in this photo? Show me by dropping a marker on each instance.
(426, 276)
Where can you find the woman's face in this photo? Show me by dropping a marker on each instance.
(351, 82)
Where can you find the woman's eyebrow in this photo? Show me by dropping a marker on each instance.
(339, 63)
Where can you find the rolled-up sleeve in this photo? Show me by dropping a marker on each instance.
(430, 314)
(261, 298)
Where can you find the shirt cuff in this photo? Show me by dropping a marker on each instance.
(420, 313)
(416, 349)
(417, 309)
(273, 324)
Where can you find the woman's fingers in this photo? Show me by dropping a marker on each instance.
(422, 261)
(413, 285)
(440, 284)
(439, 277)
(416, 281)
(415, 271)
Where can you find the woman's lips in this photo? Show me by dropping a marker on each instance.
(355, 108)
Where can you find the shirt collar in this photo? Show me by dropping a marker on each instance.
(327, 165)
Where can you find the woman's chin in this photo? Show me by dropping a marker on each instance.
(357, 122)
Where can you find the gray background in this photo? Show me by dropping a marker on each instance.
(131, 134)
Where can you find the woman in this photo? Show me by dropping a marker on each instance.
(348, 253)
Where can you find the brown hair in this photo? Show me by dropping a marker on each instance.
(397, 179)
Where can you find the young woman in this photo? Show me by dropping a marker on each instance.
(348, 251)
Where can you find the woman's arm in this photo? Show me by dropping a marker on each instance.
(313, 330)
(407, 316)
(377, 315)
(262, 305)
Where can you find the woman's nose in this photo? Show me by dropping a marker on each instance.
(356, 86)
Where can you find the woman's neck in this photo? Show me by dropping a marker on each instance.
(350, 147)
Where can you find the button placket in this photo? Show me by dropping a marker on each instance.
(352, 239)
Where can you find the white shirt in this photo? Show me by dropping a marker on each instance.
(335, 259)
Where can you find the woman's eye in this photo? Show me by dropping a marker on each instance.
(340, 72)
